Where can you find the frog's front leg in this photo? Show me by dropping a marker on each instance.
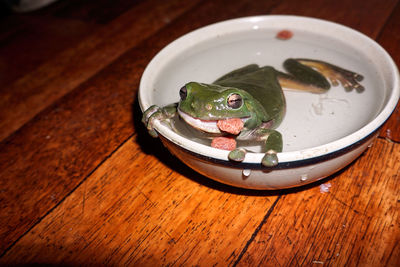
(156, 113)
(311, 75)
(272, 140)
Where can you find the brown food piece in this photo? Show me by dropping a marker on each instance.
(225, 143)
(284, 35)
(232, 126)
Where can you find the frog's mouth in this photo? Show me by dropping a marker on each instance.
(208, 126)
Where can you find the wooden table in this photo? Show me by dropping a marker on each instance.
(81, 182)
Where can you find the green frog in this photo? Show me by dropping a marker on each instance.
(250, 102)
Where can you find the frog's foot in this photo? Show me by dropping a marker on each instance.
(270, 159)
(154, 113)
(237, 154)
(272, 143)
(349, 79)
(149, 116)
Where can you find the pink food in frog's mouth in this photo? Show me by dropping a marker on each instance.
(230, 125)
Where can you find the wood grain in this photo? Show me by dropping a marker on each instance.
(49, 31)
(82, 183)
(45, 41)
(30, 94)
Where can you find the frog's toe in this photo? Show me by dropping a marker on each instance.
(148, 113)
(150, 125)
(152, 132)
(270, 159)
(350, 80)
(237, 154)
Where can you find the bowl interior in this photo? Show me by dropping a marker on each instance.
(311, 120)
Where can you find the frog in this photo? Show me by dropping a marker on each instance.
(252, 95)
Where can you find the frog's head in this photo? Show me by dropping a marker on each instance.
(203, 105)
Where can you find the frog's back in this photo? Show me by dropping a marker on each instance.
(263, 85)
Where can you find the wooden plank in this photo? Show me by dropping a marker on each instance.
(357, 223)
(30, 39)
(32, 93)
(99, 12)
(133, 210)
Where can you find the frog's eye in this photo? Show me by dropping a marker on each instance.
(183, 93)
(235, 101)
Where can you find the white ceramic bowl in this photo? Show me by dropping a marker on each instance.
(322, 133)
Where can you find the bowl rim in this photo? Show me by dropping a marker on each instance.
(303, 156)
